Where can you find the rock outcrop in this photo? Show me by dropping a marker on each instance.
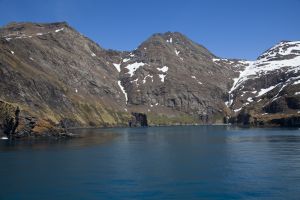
(9, 118)
(138, 120)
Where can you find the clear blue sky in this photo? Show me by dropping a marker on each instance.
(229, 28)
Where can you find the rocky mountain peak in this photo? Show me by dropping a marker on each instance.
(282, 51)
(173, 45)
(169, 37)
(28, 30)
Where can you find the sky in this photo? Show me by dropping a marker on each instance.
(228, 28)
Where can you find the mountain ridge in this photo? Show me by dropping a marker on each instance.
(54, 73)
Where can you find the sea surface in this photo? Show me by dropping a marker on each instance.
(180, 162)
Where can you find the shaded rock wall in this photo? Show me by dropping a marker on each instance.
(9, 118)
(138, 120)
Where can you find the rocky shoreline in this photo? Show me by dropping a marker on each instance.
(15, 124)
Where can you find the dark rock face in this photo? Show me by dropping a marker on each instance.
(15, 123)
(9, 118)
(138, 120)
(276, 106)
(293, 121)
(293, 102)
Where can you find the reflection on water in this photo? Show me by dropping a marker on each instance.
(188, 162)
(266, 138)
(86, 137)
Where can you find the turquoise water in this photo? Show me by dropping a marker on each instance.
(188, 162)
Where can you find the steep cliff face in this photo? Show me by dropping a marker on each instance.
(53, 72)
(268, 88)
(9, 118)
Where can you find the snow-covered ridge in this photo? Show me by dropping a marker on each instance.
(281, 49)
(268, 63)
(218, 60)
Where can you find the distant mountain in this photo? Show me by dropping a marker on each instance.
(268, 89)
(55, 76)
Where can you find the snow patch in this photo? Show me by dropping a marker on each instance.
(92, 54)
(117, 66)
(133, 67)
(170, 40)
(12, 52)
(126, 60)
(123, 90)
(265, 90)
(237, 110)
(162, 77)
(145, 78)
(136, 81)
(58, 30)
(163, 69)
(296, 82)
(250, 99)
(4, 138)
(297, 93)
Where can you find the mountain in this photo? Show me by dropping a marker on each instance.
(56, 77)
(170, 75)
(54, 73)
(268, 89)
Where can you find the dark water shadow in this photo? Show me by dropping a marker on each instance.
(85, 138)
